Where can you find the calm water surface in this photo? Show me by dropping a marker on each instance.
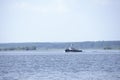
(68, 66)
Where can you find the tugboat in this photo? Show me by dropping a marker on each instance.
(71, 49)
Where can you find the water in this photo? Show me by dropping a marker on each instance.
(60, 66)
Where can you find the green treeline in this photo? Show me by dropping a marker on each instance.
(17, 48)
(106, 45)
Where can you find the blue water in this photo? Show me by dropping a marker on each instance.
(60, 67)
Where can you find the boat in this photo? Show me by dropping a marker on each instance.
(71, 49)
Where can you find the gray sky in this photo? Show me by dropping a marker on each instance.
(59, 20)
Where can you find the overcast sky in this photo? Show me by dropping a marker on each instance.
(59, 20)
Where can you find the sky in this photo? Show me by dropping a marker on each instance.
(59, 20)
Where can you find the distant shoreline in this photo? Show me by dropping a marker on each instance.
(102, 45)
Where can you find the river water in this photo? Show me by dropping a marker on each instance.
(59, 66)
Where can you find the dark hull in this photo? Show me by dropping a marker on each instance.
(67, 50)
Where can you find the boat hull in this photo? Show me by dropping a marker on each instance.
(67, 50)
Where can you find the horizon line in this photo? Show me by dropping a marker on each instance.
(56, 41)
